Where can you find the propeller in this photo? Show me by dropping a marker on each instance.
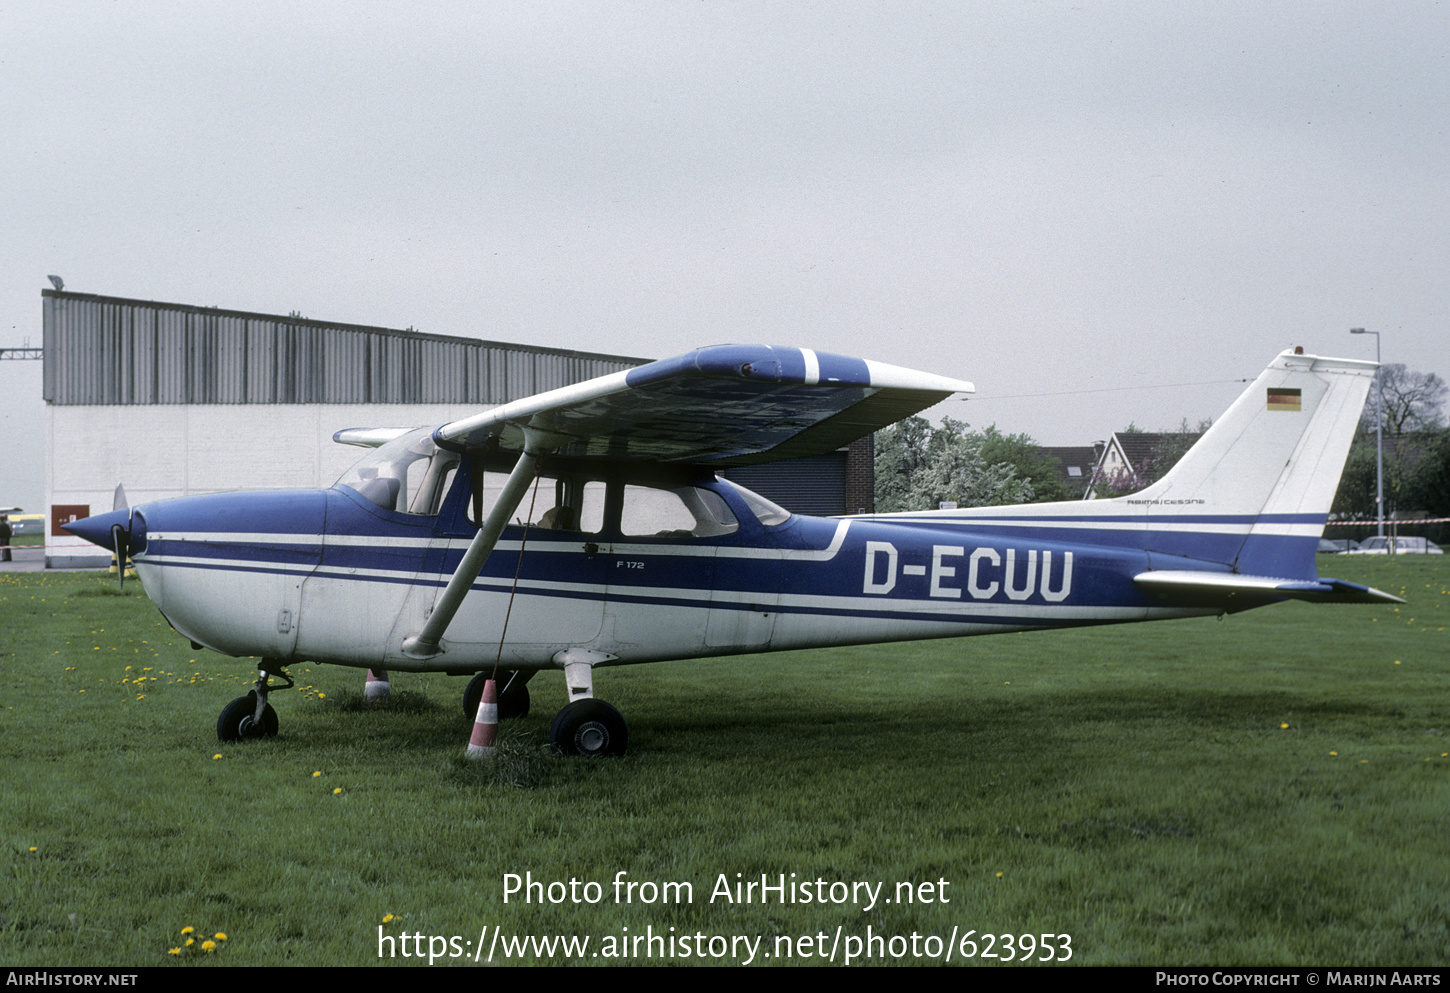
(119, 540)
(121, 536)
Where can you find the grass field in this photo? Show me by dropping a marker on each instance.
(1269, 788)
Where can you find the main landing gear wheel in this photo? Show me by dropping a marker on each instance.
(238, 721)
(590, 728)
(513, 699)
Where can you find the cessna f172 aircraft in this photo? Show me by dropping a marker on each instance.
(586, 527)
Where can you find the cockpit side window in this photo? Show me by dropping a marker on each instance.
(434, 480)
(598, 500)
(553, 502)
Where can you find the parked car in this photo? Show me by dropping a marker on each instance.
(1396, 546)
(27, 524)
(1336, 546)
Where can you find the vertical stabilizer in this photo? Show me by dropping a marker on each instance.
(1275, 458)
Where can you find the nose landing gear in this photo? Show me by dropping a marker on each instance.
(251, 716)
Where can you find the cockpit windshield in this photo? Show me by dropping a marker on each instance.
(409, 474)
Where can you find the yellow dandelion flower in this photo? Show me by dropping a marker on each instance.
(190, 942)
(221, 936)
(317, 773)
(999, 875)
(216, 756)
(208, 946)
(1283, 726)
(337, 791)
(1333, 753)
(187, 930)
(322, 696)
(387, 918)
(174, 951)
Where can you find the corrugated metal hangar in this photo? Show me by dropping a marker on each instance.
(169, 399)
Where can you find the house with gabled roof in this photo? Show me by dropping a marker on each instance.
(1131, 460)
(1075, 464)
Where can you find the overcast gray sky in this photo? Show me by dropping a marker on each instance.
(1043, 198)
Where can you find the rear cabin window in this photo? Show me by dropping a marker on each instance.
(678, 512)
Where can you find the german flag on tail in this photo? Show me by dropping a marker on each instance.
(1284, 398)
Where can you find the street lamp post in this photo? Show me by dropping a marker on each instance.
(1379, 448)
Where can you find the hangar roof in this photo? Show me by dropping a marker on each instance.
(113, 350)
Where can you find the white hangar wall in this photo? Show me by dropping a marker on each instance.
(158, 452)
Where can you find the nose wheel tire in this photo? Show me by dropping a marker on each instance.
(238, 720)
(590, 728)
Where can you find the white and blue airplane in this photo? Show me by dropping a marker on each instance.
(586, 527)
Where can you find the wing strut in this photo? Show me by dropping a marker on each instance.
(428, 642)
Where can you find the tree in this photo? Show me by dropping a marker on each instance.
(918, 467)
(1428, 486)
(1413, 401)
(1429, 483)
(1173, 445)
(900, 452)
(1356, 493)
(1415, 447)
(1031, 463)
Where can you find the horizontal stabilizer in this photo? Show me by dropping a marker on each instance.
(1229, 589)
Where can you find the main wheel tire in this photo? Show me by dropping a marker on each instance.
(591, 728)
(238, 720)
(511, 703)
(472, 694)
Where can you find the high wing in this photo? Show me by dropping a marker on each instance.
(723, 405)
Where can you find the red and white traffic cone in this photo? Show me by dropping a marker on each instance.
(485, 723)
(377, 688)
